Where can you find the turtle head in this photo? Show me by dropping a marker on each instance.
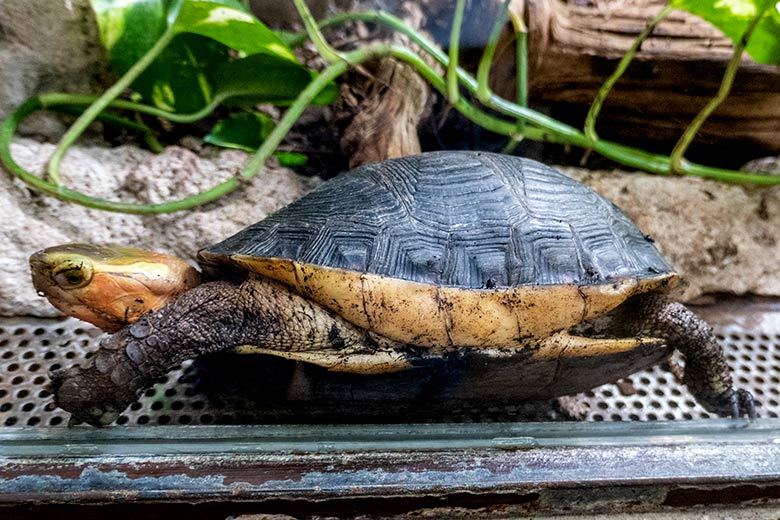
(109, 286)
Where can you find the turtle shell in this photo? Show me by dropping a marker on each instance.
(453, 249)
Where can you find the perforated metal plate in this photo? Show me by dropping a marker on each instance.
(657, 393)
(29, 349)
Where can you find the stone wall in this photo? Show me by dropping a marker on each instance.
(30, 221)
(722, 238)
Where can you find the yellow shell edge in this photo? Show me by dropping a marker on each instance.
(434, 316)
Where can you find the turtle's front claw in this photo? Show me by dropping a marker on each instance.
(92, 395)
(75, 391)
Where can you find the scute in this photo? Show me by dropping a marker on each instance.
(468, 220)
(451, 249)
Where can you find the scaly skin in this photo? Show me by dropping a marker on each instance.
(707, 375)
(212, 317)
(223, 315)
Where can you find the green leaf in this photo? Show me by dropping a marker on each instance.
(180, 78)
(291, 158)
(732, 18)
(227, 22)
(195, 66)
(129, 29)
(264, 78)
(245, 131)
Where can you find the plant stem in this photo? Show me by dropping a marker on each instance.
(632, 157)
(61, 192)
(113, 119)
(521, 77)
(312, 29)
(521, 59)
(677, 159)
(548, 129)
(452, 67)
(539, 126)
(381, 17)
(275, 137)
(543, 127)
(545, 123)
(483, 119)
(486, 62)
(112, 93)
(303, 100)
(595, 107)
(54, 100)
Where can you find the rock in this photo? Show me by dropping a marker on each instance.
(765, 165)
(30, 221)
(721, 237)
(48, 47)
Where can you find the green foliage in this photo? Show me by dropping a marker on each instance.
(245, 131)
(140, 33)
(291, 158)
(265, 78)
(129, 30)
(179, 79)
(196, 68)
(733, 17)
(227, 22)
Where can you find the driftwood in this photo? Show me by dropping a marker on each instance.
(386, 114)
(388, 101)
(573, 48)
(382, 102)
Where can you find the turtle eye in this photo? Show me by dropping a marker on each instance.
(73, 277)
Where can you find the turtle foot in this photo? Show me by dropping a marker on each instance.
(732, 403)
(76, 390)
(100, 389)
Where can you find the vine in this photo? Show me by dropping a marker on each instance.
(514, 120)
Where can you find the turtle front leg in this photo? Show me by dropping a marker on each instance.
(213, 317)
(707, 375)
(135, 357)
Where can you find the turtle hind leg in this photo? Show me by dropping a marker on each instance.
(707, 375)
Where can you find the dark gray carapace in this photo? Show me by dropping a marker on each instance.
(457, 219)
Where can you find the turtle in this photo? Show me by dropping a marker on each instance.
(536, 284)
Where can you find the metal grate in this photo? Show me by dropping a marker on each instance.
(29, 349)
(658, 394)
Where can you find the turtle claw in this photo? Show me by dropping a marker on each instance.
(89, 395)
(746, 404)
(98, 418)
(734, 403)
